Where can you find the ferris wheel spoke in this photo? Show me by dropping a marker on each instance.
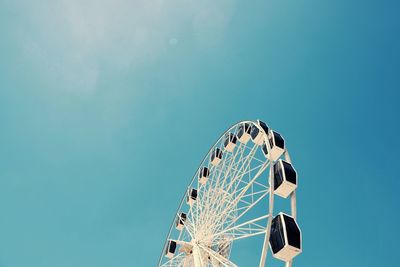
(245, 228)
(186, 234)
(241, 173)
(243, 191)
(246, 209)
(224, 261)
(209, 194)
(249, 184)
(232, 192)
(228, 173)
(234, 169)
(217, 208)
(188, 227)
(247, 235)
(257, 193)
(245, 165)
(248, 173)
(175, 261)
(237, 173)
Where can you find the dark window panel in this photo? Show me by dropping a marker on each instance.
(264, 126)
(277, 239)
(254, 132)
(278, 175)
(290, 173)
(293, 232)
(279, 142)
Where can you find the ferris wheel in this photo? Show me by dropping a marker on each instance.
(231, 198)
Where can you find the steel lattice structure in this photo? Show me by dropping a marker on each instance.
(231, 197)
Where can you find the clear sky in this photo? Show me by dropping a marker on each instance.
(107, 108)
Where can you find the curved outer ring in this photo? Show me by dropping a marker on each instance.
(271, 193)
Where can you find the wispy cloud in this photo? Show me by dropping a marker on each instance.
(69, 40)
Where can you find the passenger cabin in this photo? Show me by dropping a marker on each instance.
(263, 125)
(191, 196)
(180, 221)
(243, 133)
(285, 178)
(277, 144)
(204, 173)
(285, 239)
(170, 249)
(216, 156)
(257, 135)
(230, 142)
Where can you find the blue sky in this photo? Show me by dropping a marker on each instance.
(100, 100)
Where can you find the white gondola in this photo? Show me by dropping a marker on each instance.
(216, 156)
(263, 125)
(204, 173)
(170, 249)
(285, 178)
(191, 196)
(285, 240)
(243, 133)
(277, 144)
(180, 221)
(257, 135)
(230, 142)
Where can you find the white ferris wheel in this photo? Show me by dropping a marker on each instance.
(231, 198)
